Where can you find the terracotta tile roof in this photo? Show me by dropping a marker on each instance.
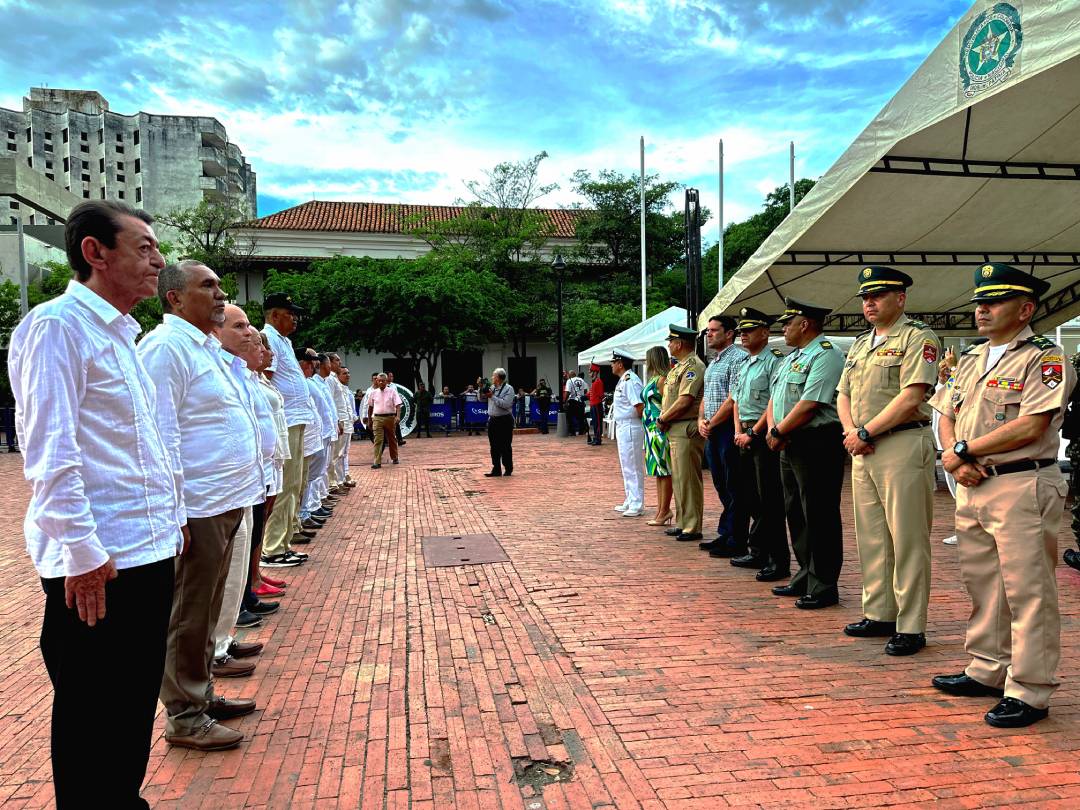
(375, 217)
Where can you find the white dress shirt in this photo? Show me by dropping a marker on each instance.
(313, 442)
(343, 401)
(288, 378)
(325, 408)
(204, 413)
(104, 484)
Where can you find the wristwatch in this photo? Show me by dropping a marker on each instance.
(750, 432)
(864, 435)
(961, 451)
(776, 434)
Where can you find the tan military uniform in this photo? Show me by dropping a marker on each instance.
(1008, 524)
(893, 487)
(687, 445)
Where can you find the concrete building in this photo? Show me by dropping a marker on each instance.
(155, 162)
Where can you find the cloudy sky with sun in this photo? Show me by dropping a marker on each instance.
(405, 100)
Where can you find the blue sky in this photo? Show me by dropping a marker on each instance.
(405, 100)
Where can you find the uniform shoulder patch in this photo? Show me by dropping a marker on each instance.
(691, 375)
(918, 324)
(826, 345)
(776, 352)
(1041, 342)
(627, 376)
(969, 349)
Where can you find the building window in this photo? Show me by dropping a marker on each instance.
(119, 149)
(86, 193)
(30, 161)
(86, 178)
(14, 206)
(32, 220)
(138, 195)
(11, 147)
(135, 137)
(120, 166)
(29, 137)
(120, 137)
(14, 220)
(64, 134)
(101, 136)
(86, 165)
(119, 194)
(48, 146)
(82, 136)
(48, 136)
(48, 164)
(49, 176)
(67, 165)
(138, 165)
(51, 221)
(11, 134)
(120, 178)
(103, 193)
(101, 164)
(84, 148)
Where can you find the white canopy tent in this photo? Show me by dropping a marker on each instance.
(975, 159)
(638, 339)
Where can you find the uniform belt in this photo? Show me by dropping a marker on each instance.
(1020, 466)
(905, 426)
(385, 414)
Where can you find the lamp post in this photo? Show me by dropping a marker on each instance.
(559, 266)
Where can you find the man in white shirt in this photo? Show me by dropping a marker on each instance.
(316, 489)
(343, 403)
(205, 418)
(282, 317)
(350, 400)
(106, 511)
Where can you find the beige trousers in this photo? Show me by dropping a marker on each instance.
(893, 494)
(384, 433)
(282, 521)
(687, 450)
(334, 466)
(235, 582)
(1007, 528)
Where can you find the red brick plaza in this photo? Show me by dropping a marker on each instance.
(621, 668)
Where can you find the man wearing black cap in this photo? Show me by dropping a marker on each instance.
(760, 490)
(626, 409)
(999, 422)
(888, 377)
(805, 430)
(683, 389)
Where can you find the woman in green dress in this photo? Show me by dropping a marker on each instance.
(657, 454)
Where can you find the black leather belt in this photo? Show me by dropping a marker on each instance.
(905, 426)
(1020, 466)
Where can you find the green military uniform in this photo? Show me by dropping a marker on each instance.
(687, 445)
(759, 467)
(893, 487)
(812, 461)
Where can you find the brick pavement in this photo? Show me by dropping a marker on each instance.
(659, 677)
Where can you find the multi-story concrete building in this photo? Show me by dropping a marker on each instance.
(155, 162)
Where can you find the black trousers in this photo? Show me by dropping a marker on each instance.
(500, 436)
(575, 417)
(543, 405)
(760, 496)
(122, 656)
(597, 414)
(812, 470)
(423, 421)
(258, 524)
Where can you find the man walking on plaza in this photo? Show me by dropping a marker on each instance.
(882, 404)
(761, 492)
(207, 421)
(715, 425)
(626, 408)
(384, 409)
(282, 317)
(805, 430)
(500, 425)
(999, 424)
(106, 509)
(678, 418)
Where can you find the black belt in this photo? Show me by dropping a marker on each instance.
(1020, 466)
(384, 414)
(905, 426)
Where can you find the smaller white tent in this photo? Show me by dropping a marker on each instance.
(638, 339)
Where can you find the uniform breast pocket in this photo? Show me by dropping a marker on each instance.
(887, 371)
(759, 389)
(1003, 406)
(796, 382)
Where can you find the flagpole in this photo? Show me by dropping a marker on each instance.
(720, 269)
(644, 279)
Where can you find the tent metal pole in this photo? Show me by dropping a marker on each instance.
(791, 175)
(644, 279)
(720, 250)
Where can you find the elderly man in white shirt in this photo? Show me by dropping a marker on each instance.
(205, 416)
(106, 510)
(343, 402)
(282, 317)
(316, 488)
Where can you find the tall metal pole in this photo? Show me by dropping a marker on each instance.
(644, 279)
(24, 280)
(720, 269)
(791, 175)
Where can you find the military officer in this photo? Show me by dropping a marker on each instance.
(805, 430)
(626, 408)
(759, 466)
(1000, 422)
(683, 388)
(889, 375)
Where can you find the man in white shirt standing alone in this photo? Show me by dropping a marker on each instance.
(106, 513)
(205, 418)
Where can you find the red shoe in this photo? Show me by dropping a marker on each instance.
(277, 583)
(266, 589)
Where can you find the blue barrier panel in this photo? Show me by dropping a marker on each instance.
(534, 413)
(476, 413)
(440, 415)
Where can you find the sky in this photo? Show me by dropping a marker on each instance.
(407, 100)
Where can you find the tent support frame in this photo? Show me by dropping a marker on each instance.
(937, 257)
(982, 169)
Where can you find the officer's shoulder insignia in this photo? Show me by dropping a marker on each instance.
(917, 324)
(627, 376)
(929, 351)
(691, 375)
(776, 352)
(864, 334)
(1041, 342)
(826, 344)
(969, 349)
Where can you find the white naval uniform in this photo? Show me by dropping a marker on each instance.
(631, 439)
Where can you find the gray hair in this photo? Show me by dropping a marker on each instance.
(174, 278)
(382, 376)
(499, 372)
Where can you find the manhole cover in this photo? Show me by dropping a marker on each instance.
(462, 549)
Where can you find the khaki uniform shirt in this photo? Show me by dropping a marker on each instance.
(1031, 377)
(751, 391)
(810, 373)
(873, 375)
(686, 377)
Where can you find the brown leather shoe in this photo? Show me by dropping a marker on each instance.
(229, 667)
(211, 736)
(241, 649)
(349, 483)
(221, 708)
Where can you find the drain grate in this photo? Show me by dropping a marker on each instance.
(462, 549)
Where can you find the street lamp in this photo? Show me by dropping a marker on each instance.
(559, 266)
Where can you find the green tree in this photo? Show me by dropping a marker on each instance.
(204, 233)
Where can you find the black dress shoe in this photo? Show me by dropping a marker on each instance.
(964, 686)
(869, 628)
(747, 561)
(815, 602)
(1014, 713)
(689, 537)
(673, 532)
(264, 608)
(509, 471)
(725, 551)
(770, 573)
(789, 590)
(905, 643)
(719, 542)
(493, 474)
(1072, 558)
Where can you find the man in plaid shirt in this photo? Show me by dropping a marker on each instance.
(715, 424)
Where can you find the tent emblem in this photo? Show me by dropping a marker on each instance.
(990, 49)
